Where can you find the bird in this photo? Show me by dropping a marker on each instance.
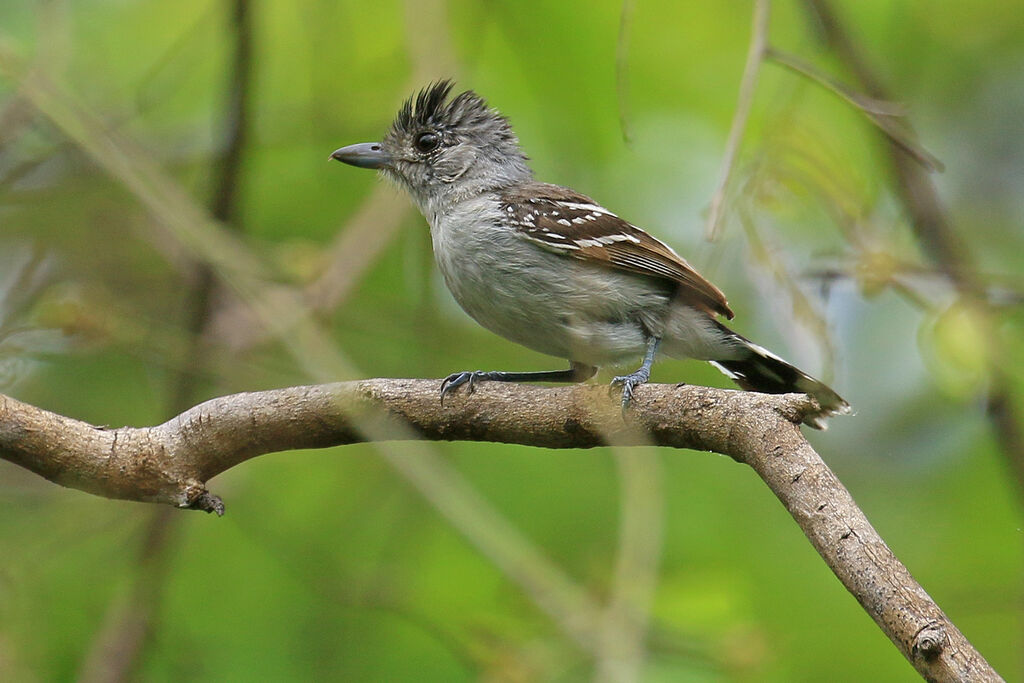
(551, 269)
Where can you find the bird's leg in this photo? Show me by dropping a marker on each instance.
(641, 375)
(577, 372)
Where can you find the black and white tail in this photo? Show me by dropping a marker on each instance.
(763, 371)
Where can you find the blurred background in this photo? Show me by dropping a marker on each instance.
(171, 230)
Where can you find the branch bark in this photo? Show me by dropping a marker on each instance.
(170, 463)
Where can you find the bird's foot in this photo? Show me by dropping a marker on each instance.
(457, 379)
(629, 383)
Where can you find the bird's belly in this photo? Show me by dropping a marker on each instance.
(550, 303)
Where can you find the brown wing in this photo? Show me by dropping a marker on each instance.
(576, 226)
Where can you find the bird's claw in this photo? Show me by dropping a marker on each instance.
(629, 383)
(457, 379)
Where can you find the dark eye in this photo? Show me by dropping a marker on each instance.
(427, 142)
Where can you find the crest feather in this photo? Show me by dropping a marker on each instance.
(425, 108)
(430, 108)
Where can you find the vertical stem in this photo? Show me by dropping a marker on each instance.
(627, 616)
(118, 648)
(745, 100)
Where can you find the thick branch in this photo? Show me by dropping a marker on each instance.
(168, 463)
(171, 462)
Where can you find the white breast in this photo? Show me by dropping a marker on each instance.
(547, 302)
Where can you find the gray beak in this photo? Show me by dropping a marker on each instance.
(363, 155)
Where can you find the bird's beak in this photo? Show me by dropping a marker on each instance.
(363, 155)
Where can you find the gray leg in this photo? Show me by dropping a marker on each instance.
(641, 375)
(577, 372)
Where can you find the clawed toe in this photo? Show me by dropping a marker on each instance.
(629, 383)
(457, 379)
(454, 381)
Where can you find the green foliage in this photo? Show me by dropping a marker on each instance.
(330, 565)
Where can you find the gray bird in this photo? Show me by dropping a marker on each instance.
(551, 269)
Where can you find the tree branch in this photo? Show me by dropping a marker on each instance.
(170, 463)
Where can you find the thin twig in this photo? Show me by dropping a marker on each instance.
(641, 517)
(744, 103)
(803, 310)
(357, 247)
(868, 105)
(882, 113)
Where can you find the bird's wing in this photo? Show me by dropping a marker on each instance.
(568, 223)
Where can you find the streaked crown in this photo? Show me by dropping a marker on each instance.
(441, 146)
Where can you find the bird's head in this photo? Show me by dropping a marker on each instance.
(442, 149)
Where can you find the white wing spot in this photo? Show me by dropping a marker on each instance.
(562, 221)
(611, 239)
(599, 210)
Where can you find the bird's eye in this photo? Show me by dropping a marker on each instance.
(427, 142)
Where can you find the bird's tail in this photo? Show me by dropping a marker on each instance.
(761, 370)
